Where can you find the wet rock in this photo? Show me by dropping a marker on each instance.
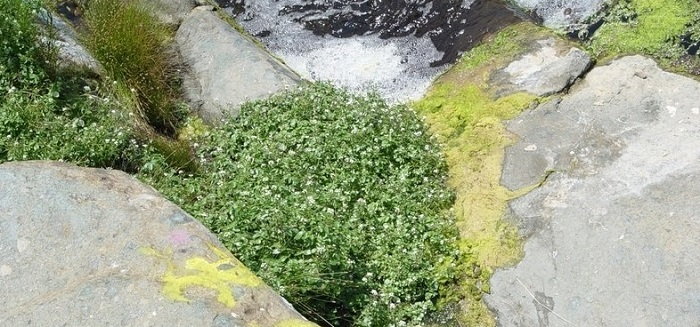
(97, 248)
(551, 66)
(560, 14)
(70, 52)
(226, 68)
(612, 232)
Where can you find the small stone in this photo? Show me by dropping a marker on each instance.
(5, 270)
(531, 148)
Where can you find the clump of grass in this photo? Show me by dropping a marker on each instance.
(131, 44)
(650, 27)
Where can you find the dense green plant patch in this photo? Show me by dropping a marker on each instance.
(339, 202)
(45, 115)
(131, 44)
(18, 58)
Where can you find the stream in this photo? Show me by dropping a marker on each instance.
(393, 47)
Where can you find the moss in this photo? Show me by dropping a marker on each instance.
(466, 116)
(653, 29)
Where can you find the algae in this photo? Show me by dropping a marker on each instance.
(649, 27)
(466, 116)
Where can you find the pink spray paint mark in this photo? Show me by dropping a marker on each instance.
(179, 237)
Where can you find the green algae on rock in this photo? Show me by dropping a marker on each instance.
(650, 27)
(465, 112)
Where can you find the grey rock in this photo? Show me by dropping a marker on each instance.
(612, 234)
(562, 14)
(551, 66)
(226, 69)
(70, 52)
(92, 247)
(171, 12)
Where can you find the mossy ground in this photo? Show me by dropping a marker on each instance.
(648, 27)
(465, 115)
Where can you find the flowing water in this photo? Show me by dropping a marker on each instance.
(395, 47)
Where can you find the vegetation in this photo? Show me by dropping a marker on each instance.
(48, 116)
(338, 201)
(656, 28)
(466, 116)
(19, 58)
(345, 205)
(131, 44)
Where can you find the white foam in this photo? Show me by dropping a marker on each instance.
(397, 68)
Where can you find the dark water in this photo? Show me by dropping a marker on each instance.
(453, 26)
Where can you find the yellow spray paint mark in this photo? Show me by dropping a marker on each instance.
(295, 323)
(218, 275)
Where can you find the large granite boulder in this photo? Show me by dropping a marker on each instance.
(92, 247)
(612, 232)
(562, 14)
(226, 68)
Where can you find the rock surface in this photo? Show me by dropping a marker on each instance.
(560, 14)
(226, 68)
(171, 11)
(70, 52)
(92, 247)
(612, 233)
(551, 66)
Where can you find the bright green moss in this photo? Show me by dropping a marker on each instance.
(466, 117)
(653, 30)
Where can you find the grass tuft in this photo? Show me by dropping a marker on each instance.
(131, 44)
